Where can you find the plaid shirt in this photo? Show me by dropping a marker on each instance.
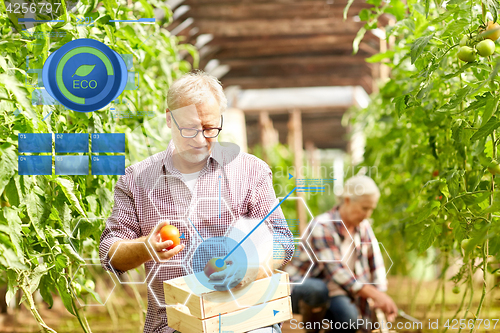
(153, 190)
(325, 240)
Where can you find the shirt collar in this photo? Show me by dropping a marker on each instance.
(221, 154)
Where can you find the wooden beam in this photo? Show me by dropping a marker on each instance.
(326, 134)
(302, 61)
(255, 41)
(327, 45)
(299, 68)
(266, 27)
(321, 110)
(272, 10)
(295, 81)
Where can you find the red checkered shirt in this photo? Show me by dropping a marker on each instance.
(325, 241)
(153, 190)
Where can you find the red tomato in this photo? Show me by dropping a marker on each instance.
(169, 232)
(211, 267)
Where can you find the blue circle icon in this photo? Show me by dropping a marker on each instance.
(235, 262)
(84, 75)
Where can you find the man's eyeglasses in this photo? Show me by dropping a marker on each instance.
(208, 133)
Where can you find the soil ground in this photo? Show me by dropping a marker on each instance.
(123, 314)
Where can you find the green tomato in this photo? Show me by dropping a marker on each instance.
(494, 168)
(466, 54)
(77, 287)
(464, 243)
(485, 48)
(456, 290)
(463, 41)
(89, 284)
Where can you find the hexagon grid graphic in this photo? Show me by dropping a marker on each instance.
(221, 248)
(83, 229)
(259, 246)
(93, 294)
(266, 295)
(317, 223)
(302, 253)
(207, 212)
(311, 216)
(163, 186)
(187, 237)
(152, 277)
(382, 279)
(133, 276)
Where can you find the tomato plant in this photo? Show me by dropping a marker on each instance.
(436, 112)
(49, 223)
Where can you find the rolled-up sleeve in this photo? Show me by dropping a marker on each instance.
(122, 224)
(262, 202)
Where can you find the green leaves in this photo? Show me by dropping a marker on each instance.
(8, 164)
(486, 129)
(67, 187)
(418, 47)
(491, 108)
(84, 70)
(457, 98)
(429, 236)
(14, 231)
(401, 103)
(493, 7)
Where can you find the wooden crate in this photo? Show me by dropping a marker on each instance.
(209, 309)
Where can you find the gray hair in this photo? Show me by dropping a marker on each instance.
(358, 186)
(195, 88)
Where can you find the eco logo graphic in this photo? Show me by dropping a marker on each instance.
(85, 75)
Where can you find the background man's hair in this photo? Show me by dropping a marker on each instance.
(194, 88)
(358, 186)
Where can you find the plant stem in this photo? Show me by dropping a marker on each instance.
(483, 294)
(443, 301)
(471, 287)
(483, 11)
(33, 309)
(441, 282)
(84, 325)
(486, 243)
(414, 298)
(459, 308)
(140, 302)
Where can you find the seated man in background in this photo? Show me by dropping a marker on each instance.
(331, 291)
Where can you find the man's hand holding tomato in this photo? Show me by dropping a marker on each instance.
(242, 276)
(164, 240)
(133, 253)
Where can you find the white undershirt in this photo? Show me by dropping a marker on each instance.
(190, 179)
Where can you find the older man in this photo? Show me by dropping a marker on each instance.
(195, 180)
(350, 268)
